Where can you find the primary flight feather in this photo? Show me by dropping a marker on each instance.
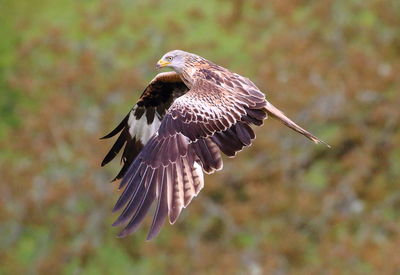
(176, 131)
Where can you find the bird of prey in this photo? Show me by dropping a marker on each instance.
(177, 130)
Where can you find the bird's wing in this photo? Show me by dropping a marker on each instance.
(199, 124)
(222, 77)
(144, 118)
(227, 80)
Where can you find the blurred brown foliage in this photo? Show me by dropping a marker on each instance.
(70, 70)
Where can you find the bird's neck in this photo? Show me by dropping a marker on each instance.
(187, 76)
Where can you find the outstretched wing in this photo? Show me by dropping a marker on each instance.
(206, 120)
(144, 119)
(222, 77)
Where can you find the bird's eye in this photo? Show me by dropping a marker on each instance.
(169, 58)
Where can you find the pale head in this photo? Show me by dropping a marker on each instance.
(176, 60)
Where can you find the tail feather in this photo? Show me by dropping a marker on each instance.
(278, 114)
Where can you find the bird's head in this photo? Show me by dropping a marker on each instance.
(176, 59)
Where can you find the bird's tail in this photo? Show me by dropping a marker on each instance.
(278, 114)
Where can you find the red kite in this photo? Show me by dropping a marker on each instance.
(177, 130)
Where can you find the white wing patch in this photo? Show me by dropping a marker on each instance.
(139, 127)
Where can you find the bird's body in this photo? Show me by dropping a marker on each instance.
(177, 129)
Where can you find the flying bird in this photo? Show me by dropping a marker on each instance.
(176, 132)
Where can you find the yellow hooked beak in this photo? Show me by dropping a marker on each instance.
(162, 63)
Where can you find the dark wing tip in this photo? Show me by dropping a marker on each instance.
(119, 128)
(115, 179)
(104, 162)
(119, 143)
(106, 136)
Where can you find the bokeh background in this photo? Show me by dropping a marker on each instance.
(71, 70)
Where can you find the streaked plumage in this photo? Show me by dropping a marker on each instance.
(177, 129)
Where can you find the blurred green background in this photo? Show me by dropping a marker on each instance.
(70, 71)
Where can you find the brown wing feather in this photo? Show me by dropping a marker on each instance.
(213, 116)
(227, 80)
(197, 126)
(144, 118)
